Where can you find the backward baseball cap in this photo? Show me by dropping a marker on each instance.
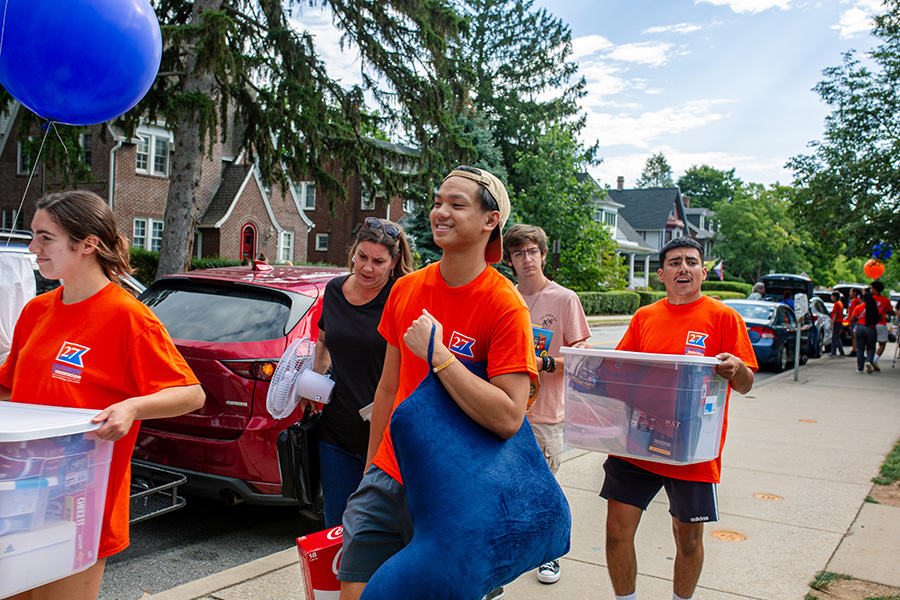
(493, 253)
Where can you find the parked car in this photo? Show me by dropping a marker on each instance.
(777, 283)
(821, 317)
(772, 328)
(232, 325)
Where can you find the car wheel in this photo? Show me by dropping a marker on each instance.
(781, 361)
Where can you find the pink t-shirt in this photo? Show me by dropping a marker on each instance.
(558, 310)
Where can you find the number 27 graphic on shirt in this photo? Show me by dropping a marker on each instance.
(71, 354)
(462, 344)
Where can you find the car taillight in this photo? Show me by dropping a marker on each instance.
(260, 370)
(763, 332)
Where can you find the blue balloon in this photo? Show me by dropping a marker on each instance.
(79, 62)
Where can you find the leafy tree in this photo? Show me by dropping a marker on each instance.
(851, 180)
(757, 234)
(656, 174)
(706, 185)
(245, 57)
(520, 75)
(563, 206)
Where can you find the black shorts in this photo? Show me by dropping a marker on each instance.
(689, 501)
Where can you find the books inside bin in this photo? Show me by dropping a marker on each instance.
(663, 408)
(52, 494)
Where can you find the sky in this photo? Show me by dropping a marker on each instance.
(726, 83)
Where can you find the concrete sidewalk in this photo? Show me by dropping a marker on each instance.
(798, 464)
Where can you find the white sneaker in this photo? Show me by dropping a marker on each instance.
(869, 367)
(495, 595)
(548, 572)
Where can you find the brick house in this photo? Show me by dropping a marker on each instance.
(241, 216)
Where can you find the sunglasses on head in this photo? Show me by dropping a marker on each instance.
(389, 229)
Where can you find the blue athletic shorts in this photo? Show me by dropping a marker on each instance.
(377, 525)
(689, 501)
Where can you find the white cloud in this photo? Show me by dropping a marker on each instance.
(679, 28)
(644, 130)
(588, 45)
(654, 54)
(749, 6)
(858, 20)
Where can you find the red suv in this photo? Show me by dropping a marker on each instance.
(232, 325)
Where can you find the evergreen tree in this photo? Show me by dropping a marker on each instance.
(245, 56)
(656, 174)
(520, 73)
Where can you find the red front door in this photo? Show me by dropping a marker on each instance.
(248, 241)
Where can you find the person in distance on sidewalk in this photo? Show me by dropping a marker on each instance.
(685, 322)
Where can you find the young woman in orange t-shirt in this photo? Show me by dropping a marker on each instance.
(132, 370)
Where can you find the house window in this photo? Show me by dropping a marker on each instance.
(24, 161)
(10, 219)
(321, 242)
(409, 206)
(152, 151)
(86, 148)
(306, 192)
(147, 233)
(368, 201)
(610, 218)
(287, 246)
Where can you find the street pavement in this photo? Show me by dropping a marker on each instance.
(798, 464)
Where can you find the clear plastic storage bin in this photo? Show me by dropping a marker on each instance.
(659, 407)
(53, 476)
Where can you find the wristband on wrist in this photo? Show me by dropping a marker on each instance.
(551, 364)
(444, 364)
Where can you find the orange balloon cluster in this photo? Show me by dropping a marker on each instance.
(873, 268)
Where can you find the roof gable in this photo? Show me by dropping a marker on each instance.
(234, 178)
(649, 209)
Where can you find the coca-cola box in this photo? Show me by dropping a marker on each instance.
(320, 558)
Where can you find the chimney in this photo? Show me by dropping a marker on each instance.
(620, 183)
(686, 201)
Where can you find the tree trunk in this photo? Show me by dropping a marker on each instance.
(183, 202)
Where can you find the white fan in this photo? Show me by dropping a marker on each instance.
(295, 379)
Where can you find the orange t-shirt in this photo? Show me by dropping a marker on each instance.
(483, 321)
(116, 349)
(854, 302)
(884, 308)
(704, 327)
(837, 311)
(860, 312)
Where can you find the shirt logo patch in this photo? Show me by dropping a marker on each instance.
(462, 345)
(696, 343)
(69, 362)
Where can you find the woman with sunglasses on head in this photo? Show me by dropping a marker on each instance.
(128, 369)
(350, 344)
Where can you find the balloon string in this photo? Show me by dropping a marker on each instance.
(3, 29)
(37, 161)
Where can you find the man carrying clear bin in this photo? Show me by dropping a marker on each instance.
(683, 323)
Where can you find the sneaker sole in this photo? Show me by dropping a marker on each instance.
(548, 578)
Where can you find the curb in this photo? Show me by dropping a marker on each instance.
(202, 588)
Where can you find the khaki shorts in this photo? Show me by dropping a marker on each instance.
(549, 437)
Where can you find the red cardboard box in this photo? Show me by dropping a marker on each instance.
(320, 558)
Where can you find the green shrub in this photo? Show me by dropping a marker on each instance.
(213, 262)
(649, 297)
(617, 302)
(727, 286)
(144, 263)
(725, 295)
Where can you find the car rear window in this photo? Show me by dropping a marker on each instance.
(214, 312)
(753, 312)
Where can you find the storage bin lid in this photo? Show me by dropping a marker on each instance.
(21, 422)
(705, 361)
